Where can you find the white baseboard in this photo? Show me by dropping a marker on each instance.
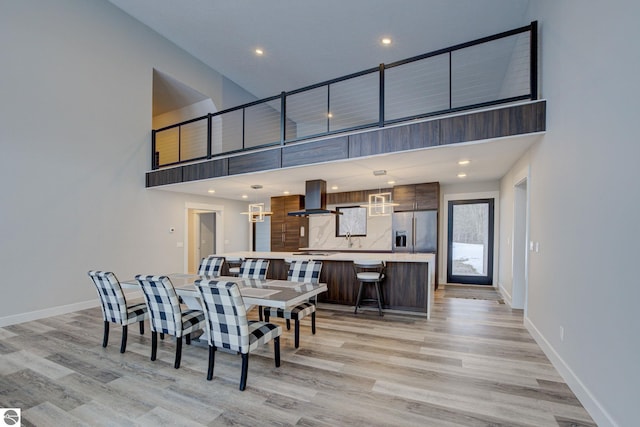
(47, 312)
(506, 296)
(588, 400)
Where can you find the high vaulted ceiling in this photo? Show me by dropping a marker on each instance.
(307, 42)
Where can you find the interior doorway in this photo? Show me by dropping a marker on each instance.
(519, 248)
(204, 233)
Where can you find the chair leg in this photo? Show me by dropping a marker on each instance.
(313, 323)
(288, 324)
(296, 333)
(358, 299)
(142, 327)
(154, 344)
(379, 300)
(161, 335)
(105, 337)
(123, 344)
(260, 313)
(266, 315)
(178, 352)
(245, 370)
(212, 357)
(188, 339)
(276, 351)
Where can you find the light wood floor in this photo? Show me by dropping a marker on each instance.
(472, 364)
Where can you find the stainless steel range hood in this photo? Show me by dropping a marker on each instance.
(315, 200)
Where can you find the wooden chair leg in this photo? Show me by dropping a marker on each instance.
(105, 337)
(188, 339)
(142, 327)
(245, 370)
(154, 344)
(123, 344)
(212, 356)
(178, 352)
(313, 323)
(296, 333)
(276, 350)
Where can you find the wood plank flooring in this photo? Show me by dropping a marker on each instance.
(472, 364)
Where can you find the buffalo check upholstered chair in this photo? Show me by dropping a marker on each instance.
(254, 269)
(228, 326)
(166, 315)
(211, 266)
(299, 271)
(114, 306)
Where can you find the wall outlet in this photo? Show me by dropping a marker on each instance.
(531, 245)
(537, 246)
(561, 334)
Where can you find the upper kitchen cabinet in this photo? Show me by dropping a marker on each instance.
(416, 197)
(287, 233)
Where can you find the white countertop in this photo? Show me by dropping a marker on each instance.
(337, 256)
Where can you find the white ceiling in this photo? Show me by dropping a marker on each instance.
(307, 42)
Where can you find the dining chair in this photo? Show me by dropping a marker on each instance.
(229, 328)
(211, 266)
(114, 306)
(370, 272)
(299, 271)
(167, 317)
(234, 263)
(254, 269)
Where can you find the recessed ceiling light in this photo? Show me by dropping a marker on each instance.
(211, 191)
(464, 162)
(330, 115)
(259, 52)
(462, 175)
(285, 192)
(385, 41)
(244, 196)
(334, 187)
(391, 182)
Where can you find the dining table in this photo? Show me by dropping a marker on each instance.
(262, 292)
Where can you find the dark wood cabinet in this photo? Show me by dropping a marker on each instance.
(416, 197)
(286, 231)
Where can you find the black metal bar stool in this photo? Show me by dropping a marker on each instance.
(369, 272)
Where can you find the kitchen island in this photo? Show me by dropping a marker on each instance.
(408, 287)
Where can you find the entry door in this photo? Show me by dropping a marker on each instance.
(207, 236)
(470, 242)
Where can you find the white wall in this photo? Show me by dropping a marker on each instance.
(75, 128)
(584, 202)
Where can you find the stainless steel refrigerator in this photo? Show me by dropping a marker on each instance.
(415, 231)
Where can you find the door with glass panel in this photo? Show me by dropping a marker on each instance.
(470, 242)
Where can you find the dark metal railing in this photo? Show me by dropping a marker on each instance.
(489, 71)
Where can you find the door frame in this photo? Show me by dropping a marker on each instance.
(444, 235)
(520, 256)
(219, 211)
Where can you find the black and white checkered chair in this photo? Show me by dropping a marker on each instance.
(299, 271)
(211, 266)
(254, 269)
(228, 326)
(167, 317)
(114, 306)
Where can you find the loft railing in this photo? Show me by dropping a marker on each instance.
(492, 70)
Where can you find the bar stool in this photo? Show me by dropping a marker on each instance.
(234, 263)
(369, 272)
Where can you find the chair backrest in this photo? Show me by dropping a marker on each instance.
(224, 310)
(369, 266)
(162, 303)
(211, 266)
(114, 304)
(304, 271)
(254, 269)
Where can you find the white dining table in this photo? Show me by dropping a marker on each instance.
(267, 293)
